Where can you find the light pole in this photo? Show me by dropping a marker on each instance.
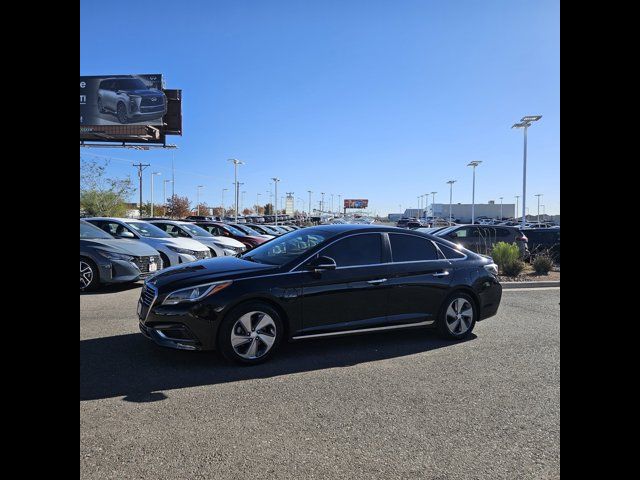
(340, 206)
(164, 194)
(426, 204)
(538, 195)
(242, 198)
(275, 182)
(258, 203)
(236, 162)
(322, 204)
(224, 210)
(198, 196)
(517, 197)
(451, 182)
(332, 203)
(153, 174)
(501, 209)
(473, 164)
(433, 202)
(525, 123)
(309, 192)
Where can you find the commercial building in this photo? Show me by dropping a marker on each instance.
(462, 211)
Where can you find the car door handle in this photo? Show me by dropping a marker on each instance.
(441, 274)
(377, 282)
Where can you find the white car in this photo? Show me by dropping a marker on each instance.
(178, 229)
(173, 251)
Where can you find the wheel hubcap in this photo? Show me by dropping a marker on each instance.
(86, 274)
(253, 335)
(459, 316)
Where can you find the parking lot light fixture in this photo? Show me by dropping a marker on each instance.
(275, 182)
(236, 162)
(525, 123)
(451, 182)
(473, 164)
(153, 174)
(198, 196)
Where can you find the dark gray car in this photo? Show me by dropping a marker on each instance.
(482, 238)
(105, 259)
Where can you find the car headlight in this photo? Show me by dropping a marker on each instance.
(229, 252)
(116, 256)
(492, 268)
(182, 250)
(195, 294)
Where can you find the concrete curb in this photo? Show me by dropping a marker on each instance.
(508, 285)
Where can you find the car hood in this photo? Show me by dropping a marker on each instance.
(146, 92)
(226, 241)
(127, 247)
(211, 270)
(178, 242)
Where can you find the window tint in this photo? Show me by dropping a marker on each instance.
(449, 252)
(356, 250)
(502, 232)
(466, 232)
(407, 248)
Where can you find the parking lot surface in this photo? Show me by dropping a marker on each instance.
(392, 405)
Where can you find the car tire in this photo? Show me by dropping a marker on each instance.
(457, 316)
(121, 113)
(262, 327)
(165, 260)
(89, 274)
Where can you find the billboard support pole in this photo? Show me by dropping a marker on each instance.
(141, 167)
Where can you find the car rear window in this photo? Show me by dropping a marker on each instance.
(450, 253)
(409, 248)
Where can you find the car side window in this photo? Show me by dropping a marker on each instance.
(450, 253)
(463, 233)
(356, 250)
(409, 248)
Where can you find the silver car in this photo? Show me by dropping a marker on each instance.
(173, 251)
(220, 245)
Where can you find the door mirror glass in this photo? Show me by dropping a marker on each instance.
(321, 263)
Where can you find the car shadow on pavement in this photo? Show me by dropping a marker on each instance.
(114, 288)
(134, 367)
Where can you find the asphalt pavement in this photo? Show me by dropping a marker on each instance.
(392, 405)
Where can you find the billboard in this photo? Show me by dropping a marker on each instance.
(356, 203)
(122, 100)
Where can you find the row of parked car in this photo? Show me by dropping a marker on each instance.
(120, 250)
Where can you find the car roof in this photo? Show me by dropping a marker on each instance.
(119, 219)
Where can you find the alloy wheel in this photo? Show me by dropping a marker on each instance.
(253, 335)
(86, 274)
(122, 113)
(459, 316)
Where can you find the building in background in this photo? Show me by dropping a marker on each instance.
(462, 211)
(289, 205)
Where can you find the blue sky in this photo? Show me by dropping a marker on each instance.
(384, 100)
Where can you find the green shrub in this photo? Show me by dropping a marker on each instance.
(505, 253)
(513, 269)
(542, 264)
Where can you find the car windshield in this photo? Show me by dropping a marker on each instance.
(288, 247)
(147, 230)
(195, 230)
(131, 84)
(248, 230)
(235, 231)
(90, 231)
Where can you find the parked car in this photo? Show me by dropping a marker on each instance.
(251, 231)
(130, 99)
(404, 221)
(265, 229)
(225, 230)
(219, 246)
(173, 251)
(430, 230)
(542, 240)
(105, 260)
(318, 282)
(482, 238)
(202, 218)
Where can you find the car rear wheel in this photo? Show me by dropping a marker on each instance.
(89, 276)
(250, 333)
(122, 113)
(457, 317)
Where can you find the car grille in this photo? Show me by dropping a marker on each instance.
(148, 294)
(143, 262)
(148, 102)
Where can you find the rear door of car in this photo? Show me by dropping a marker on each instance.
(418, 279)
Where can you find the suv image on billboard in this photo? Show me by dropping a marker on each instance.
(129, 99)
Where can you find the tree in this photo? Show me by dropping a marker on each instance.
(100, 195)
(268, 209)
(217, 211)
(247, 211)
(158, 210)
(178, 207)
(201, 209)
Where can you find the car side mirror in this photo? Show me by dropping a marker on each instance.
(321, 263)
(126, 235)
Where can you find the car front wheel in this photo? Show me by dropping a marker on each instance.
(457, 317)
(122, 113)
(250, 333)
(88, 274)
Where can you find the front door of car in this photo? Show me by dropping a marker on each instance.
(418, 279)
(352, 296)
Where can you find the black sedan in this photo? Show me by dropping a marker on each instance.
(319, 282)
